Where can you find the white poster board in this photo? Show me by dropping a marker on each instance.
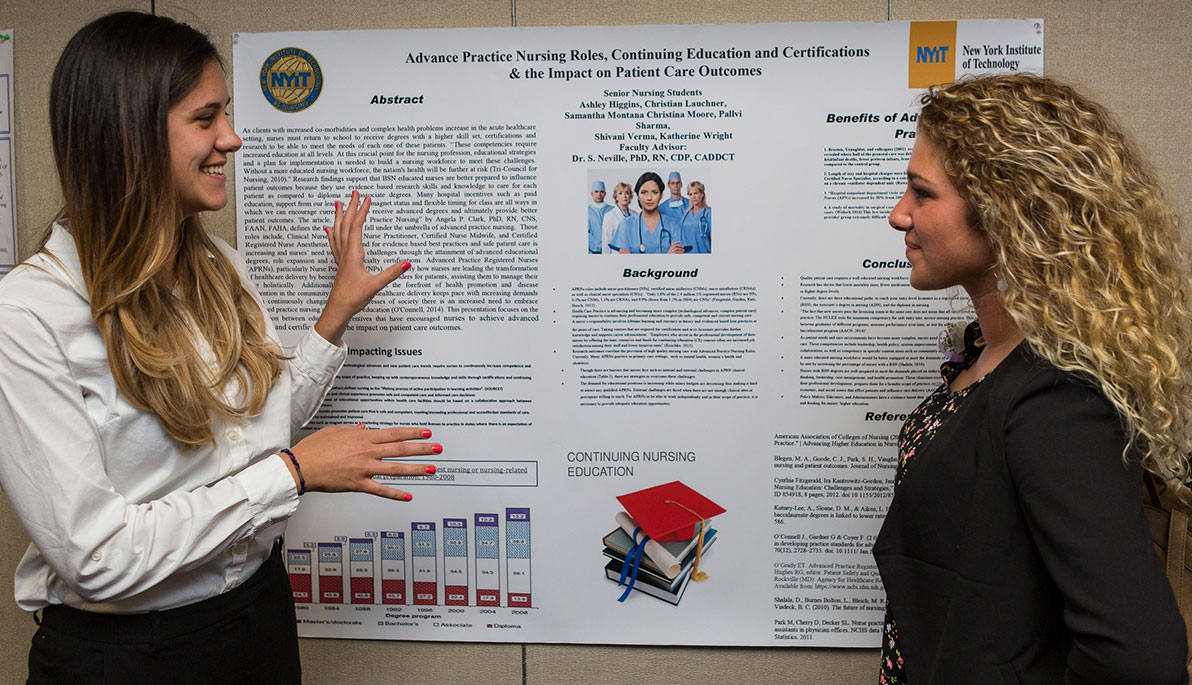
(770, 374)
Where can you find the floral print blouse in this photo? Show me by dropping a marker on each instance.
(918, 430)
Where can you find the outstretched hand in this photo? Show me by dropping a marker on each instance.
(354, 286)
(346, 458)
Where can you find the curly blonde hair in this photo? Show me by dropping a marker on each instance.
(1086, 244)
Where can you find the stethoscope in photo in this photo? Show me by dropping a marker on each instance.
(664, 236)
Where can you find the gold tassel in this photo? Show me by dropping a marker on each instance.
(696, 574)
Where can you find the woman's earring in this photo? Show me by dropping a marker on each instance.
(1002, 285)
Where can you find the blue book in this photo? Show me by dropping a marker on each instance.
(619, 541)
(653, 575)
(612, 570)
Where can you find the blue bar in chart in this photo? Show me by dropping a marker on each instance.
(331, 573)
(393, 567)
(360, 570)
(488, 561)
(517, 556)
(423, 551)
(455, 562)
(299, 567)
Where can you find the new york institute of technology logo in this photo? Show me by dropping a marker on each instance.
(291, 79)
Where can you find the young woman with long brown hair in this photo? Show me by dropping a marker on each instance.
(146, 405)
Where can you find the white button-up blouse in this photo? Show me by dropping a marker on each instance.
(123, 519)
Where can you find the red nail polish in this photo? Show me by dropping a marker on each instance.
(360, 425)
(431, 469)
(426, 432)
(337, 204)
(405, 266)
(407, 497)
(437, 449)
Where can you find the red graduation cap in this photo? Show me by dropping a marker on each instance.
(669, 512)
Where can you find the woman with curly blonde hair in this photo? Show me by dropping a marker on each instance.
(1015, 548)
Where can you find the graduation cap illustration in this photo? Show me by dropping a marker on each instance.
(671, 512)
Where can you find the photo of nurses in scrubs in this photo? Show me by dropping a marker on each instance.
(650, 217)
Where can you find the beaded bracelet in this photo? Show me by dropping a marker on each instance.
(298, 469)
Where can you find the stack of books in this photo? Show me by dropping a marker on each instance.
(652, 580)
(656, 548)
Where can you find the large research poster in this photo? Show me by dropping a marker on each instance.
(771, 375)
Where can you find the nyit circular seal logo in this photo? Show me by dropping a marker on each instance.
(291, 79)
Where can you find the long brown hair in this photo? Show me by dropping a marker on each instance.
(174, 353)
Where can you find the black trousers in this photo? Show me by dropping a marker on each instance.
(246, 635)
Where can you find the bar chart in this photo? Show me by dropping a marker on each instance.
(454, 561)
